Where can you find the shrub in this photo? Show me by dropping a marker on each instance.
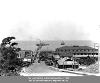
(10, 64)
(87, 60)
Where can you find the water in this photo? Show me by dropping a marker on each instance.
(31, 45)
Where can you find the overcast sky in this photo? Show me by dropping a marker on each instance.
(50, 19)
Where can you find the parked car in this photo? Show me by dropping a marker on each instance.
(49, 62)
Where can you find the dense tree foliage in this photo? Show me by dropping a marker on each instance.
(87, 60)
(48, 58)
(10, 64)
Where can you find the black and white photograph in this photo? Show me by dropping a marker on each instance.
(49, 40)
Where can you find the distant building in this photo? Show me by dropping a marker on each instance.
(77, 51)
(25, 54)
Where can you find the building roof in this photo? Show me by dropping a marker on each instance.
(76, 47)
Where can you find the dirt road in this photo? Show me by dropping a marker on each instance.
(40, 69)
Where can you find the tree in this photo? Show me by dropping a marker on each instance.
(9, 62)
(37, 52)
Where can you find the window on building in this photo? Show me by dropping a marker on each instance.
(96, 49)
(84, 49)
(96, 53)
(77, 53)
(74, 53)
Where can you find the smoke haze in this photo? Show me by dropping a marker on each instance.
(50, 19)
(52, 31)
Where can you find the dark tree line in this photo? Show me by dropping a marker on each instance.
(10, 64)
(87, 60)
